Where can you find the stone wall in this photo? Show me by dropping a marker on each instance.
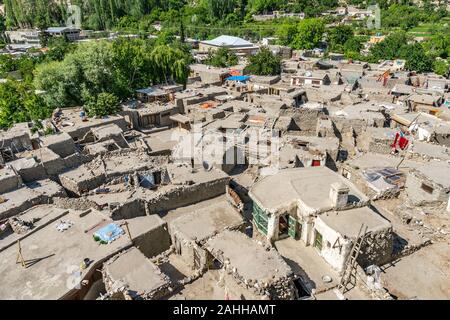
(75, 203)
(377, 248)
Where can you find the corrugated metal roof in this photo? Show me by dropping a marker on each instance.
(228, 41)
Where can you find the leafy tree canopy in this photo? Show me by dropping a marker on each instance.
(264, 63)
(222, 58)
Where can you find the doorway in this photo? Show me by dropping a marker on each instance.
(288, 226)
(316, 163)
(283, 226)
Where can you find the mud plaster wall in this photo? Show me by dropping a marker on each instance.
(377, 248)
(80, 186)
(77, 159)
(187, 195)
(131, 209)
(418, 196)
(33, 173)
(154, 241)
(9, 183)
(306, 120)
(63, 148)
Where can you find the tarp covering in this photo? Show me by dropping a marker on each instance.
(238, 78)
(108, 233)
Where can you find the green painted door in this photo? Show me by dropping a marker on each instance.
(318, 240)
(260, 219)
(293, 227)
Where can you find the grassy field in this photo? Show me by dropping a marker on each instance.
(428, 29)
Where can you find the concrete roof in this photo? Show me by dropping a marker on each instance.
(138, 272)
(72, 123)
(107, 131)
(348, 222)
(54, 256)
(309, 185)
(377, 160)
(438, 172)
(251, 260)
(205, 222)
(317, 143)
(430, 150)
(55, 138)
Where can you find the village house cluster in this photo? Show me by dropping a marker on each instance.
(329, 181)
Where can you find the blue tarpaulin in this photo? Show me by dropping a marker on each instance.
(238, 78)
(108, 233)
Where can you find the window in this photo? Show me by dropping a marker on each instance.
(427, 188)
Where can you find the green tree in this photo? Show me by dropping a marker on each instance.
(103, 105)
(286, 33)
(220, 8)
(353, 46)
(18, 103)
(222, 58)
(338, 36)
(264, 63)
(416, 58)
(388, 49)
(309, 34)
(441, 67)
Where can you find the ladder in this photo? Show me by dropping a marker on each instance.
(350, 266)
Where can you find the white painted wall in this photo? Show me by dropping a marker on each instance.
(334, 256)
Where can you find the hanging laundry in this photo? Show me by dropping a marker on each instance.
(403, 143)
(400, 142)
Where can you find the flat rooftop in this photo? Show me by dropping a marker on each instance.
(53, 256)
(251, 260)
(377, 160)
(134, 269)
(348, 222)
(309, 185)
(438, 172)
(70, 121)
(203, 223)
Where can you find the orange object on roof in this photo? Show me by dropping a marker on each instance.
(207, 105)
(235, 73)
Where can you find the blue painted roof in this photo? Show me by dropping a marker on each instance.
(238, 78)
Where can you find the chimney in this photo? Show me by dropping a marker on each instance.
(339, 195)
